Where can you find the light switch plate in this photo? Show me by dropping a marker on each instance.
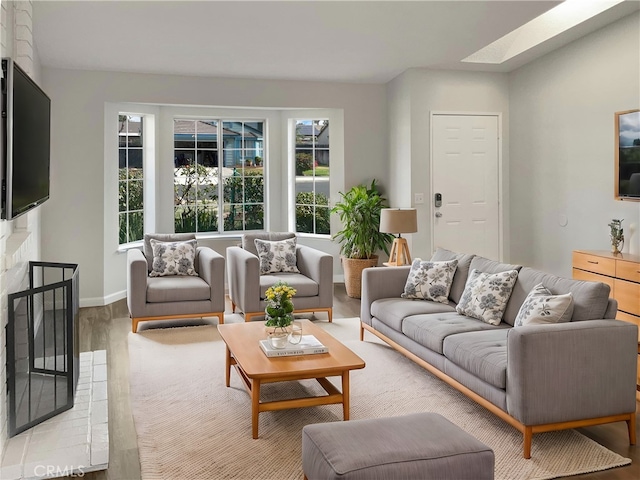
(418, 198)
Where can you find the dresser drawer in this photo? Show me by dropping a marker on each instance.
(628, 296)
(628, 270)
(593, 277)
(595, 264)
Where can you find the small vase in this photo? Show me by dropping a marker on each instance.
(616, 247)
(278, 336)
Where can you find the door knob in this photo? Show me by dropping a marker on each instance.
(438, 214)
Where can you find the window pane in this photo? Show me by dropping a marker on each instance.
(183, 158)
(184, 132)
(254, 189)
(185, 219)
(135, 195)
(136, 226)
(207, 134)
(122, 196)
(135, 158)
(323, 225)
(122, 158)
(232, 131)
(207, 158)
(184, 193)
(208, 219)
(207, 193)
(254, 217)
(304, 133)
(304, 218)
(304, 162)
(233, 218)
(122, 234)
(233, 189)
(233, 157)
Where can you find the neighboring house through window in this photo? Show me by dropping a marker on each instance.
(312, 179)
(130, 178)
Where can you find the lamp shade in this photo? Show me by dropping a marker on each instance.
(398, 220)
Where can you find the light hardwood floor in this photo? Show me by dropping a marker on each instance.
(106, 328)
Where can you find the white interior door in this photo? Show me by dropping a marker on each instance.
(465, 161)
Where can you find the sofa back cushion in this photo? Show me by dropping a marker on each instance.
(590, 299)
(462, 271)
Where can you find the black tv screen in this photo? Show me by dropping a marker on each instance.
(27, 122)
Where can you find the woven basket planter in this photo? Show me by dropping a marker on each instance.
(353, 268)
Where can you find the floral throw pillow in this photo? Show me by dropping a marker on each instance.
(430, 280)
(486, 295)
(277, 257)
(173, 258)
(542, 307)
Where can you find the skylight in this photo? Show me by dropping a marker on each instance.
(551, 23)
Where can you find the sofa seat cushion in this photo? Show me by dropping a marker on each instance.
(305, 287)
(391, 311)
(431, 330)
(483, 354)
(178, 288)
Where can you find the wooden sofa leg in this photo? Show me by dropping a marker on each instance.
(233, 307)
(528, 436)
(330, 313)
(631, 426)
(361, 332)
(134, 325)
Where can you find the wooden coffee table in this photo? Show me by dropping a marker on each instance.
(255, 368)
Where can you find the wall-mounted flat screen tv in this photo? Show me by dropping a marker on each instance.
(627, 138)
(26, 124)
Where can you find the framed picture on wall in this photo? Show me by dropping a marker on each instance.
(627, 155)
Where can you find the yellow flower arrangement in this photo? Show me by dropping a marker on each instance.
(279, 310)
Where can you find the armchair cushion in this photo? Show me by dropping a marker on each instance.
(163, 237)
(279, 256)
(173, 258)
(305, 287)
(177, 289)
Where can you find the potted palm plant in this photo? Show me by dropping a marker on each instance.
(360, 237)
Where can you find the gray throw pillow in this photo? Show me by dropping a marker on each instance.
(541, 307)
(277, 257)
(430, 280)
(486, 295)
(173, 258)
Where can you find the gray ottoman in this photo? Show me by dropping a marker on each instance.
(417, 446)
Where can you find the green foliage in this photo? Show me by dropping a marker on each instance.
(307, 215)
(359, 212)
(304, 161)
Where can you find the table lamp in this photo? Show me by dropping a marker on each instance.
(399, 220)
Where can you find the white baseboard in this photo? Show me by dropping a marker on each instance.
(102, 301)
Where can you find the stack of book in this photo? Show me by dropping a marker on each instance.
(308, 345)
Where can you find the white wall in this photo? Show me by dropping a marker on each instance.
(562, 155)
(72, 220)
(412, 96)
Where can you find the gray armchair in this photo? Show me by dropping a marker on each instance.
(314, 283)
(176, 296)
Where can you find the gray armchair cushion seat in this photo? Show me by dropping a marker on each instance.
(177, 289)
(536, 377)
(305, 286)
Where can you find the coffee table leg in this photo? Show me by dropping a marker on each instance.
(255, 406)
(345, 394)
(227, 372)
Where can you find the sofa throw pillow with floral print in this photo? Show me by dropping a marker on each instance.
(486, 295)
(541, 307)
(278, 256)
(430, 280)
(173, 258)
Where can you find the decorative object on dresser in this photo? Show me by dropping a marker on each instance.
(622, 273)
(399, 220)
(617, 236)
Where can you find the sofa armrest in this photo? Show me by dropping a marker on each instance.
(571, 371)
(381, 282)
(318, 266)
(243, 275)
(137, 272)
(211, 270)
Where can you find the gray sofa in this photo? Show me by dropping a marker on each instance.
(538, 378)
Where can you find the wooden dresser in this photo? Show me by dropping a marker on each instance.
(622, 274)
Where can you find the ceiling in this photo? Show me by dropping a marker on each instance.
(345, 41)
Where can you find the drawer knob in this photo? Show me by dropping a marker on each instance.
(591, 261)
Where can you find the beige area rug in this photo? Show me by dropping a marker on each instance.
(190, 426)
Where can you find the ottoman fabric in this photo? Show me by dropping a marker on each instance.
(421, 445)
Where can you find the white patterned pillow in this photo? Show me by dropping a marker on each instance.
(486, 295)
(430, 280)
(541, 307)
(173, 258)
(277, 256)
